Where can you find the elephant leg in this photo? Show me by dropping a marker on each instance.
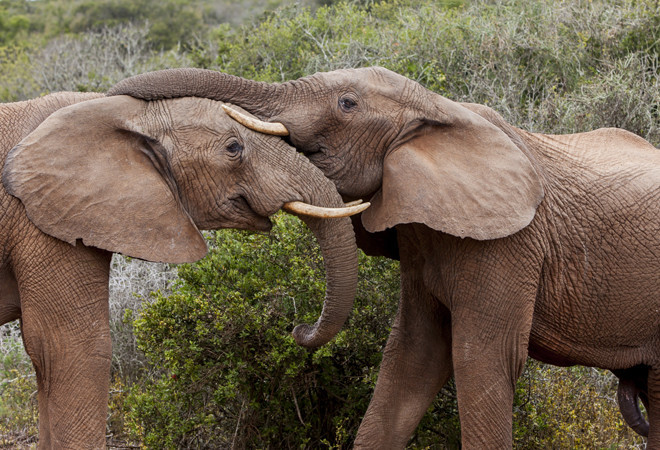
(416, 364)
(64, 302)
(10, 304)
(489, 354)
(654, 408)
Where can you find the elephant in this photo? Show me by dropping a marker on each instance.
(512, 244)
(85, 175)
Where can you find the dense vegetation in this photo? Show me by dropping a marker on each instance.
(217, 367)
(230, 374)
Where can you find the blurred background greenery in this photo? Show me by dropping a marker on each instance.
(202, 353)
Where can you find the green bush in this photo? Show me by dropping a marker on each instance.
(18, 391)
(230, 373)
(574, 407)
(12, 26)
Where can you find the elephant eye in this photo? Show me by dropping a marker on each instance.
(234, 148)
(347, 103)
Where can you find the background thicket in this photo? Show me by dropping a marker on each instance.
(207, 360)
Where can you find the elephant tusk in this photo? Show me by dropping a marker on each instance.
(353, 203)
(325, 213)
(274, 128)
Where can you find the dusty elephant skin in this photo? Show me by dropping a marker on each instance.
(86, 175)
(511, 243)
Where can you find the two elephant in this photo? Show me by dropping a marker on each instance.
(511, 243)
(97, 175)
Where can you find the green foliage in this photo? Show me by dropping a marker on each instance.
(643, 35)
(15, 75)
(293, 42)
(231, 373)
(18, 403)
(173, 21)
(573, 407)
(11, 26)
(16, 21)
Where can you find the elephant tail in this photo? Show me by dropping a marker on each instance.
(633, 387)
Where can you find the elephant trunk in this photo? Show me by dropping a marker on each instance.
(260, 98)
(340, 259)
(339, 250)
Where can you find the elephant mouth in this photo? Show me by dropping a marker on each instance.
(316, 152)
(252, 220)
(320, 156)
(249, 219)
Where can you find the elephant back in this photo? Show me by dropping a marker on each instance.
(19, 119)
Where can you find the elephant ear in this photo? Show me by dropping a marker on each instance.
(90, 172)
(459, 174)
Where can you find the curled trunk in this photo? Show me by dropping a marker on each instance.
(340, 259)
(339, 250)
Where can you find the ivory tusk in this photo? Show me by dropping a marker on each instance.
(325, 213)
(353, 203)
(274, 128)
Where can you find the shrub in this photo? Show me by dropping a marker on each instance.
(18, 386)
(574, 407)
(16, 77)
(131, 283)
(230, 373)
(95, 60)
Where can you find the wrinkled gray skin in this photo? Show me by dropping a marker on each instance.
(117, 174)
(511, 243)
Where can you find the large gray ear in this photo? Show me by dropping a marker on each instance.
(90, 172)
(459, 174)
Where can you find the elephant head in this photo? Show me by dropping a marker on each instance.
(142, 178)
(376, 134)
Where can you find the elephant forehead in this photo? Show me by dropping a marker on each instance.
(197, 112)
(370, 83)
(362, 74)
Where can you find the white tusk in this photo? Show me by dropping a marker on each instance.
(274, 128)
(353, 203)
(325, 213)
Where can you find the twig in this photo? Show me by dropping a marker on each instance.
(238, 424)
(295, 402)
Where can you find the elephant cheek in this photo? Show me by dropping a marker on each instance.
(354, 179)
(256, 223)
(233, 213)
(261, 224)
